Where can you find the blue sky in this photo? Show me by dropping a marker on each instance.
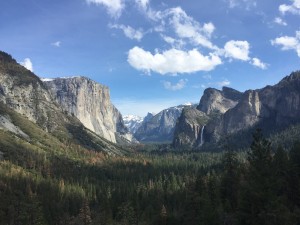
(155, 54)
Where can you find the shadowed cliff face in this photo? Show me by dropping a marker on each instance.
(189, 127)
(272, 107)
(90, 103)
(229, 111)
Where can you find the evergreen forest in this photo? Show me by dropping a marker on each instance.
(70, 185)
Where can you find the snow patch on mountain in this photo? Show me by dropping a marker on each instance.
(132, 122)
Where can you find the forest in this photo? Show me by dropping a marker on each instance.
(260, 185)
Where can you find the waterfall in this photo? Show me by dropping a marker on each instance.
(201, 140)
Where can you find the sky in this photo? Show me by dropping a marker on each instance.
(155, 54)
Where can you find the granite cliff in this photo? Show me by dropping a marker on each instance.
(25, 99)
(90, 102)
(230, 112)
(189, 128)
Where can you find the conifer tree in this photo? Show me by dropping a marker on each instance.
(85, 213)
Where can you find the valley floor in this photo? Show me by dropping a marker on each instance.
(74, 186)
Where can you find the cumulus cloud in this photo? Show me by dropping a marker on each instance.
(293, 8)
(175, 87)
(237, 50)
(114, 7)
(256, 62)
(56, 44)
(172, 61)
(288, 42)
(27, 64)
(187, 28)
(129, 31)
(280, 21)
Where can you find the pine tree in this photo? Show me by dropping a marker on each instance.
(163, 215)
(85, 213)
(258, 195)
(230, 185)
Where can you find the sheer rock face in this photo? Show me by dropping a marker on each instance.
(23, 91)
(229, 111)
(90, 103)
(273, 107)
(216, 101)
(189, 127)
(159, 127)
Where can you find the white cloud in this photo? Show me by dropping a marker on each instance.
(56, 44)
(237, 50)
(175, 43)
(172, 61)
(280, 21)
(288, 43)
(27, 64)
(256, 62)
(114, 7)
(129, 31)
(294, 8)
(223, 83)
(175, 87)
(187, 28)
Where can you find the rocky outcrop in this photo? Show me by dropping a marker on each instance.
(160, 127)
(216, 101)
(213, 104)
(271, 108)
(190, 127)
(24, 92)
(90, 103)
(6, 124)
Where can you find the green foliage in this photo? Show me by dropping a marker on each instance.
(46, 180)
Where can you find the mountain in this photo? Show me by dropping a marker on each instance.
(189, 128)
(159, 127)
(273, 108)
(132, 122)
(216, 101)
(231, 113)
(90, 102)
(29, 113)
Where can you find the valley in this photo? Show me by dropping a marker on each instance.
(67, 157)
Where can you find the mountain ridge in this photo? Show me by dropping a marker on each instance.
(271, 108)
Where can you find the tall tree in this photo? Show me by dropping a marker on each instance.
(258, 195)
(230, 185)
(85, 213)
